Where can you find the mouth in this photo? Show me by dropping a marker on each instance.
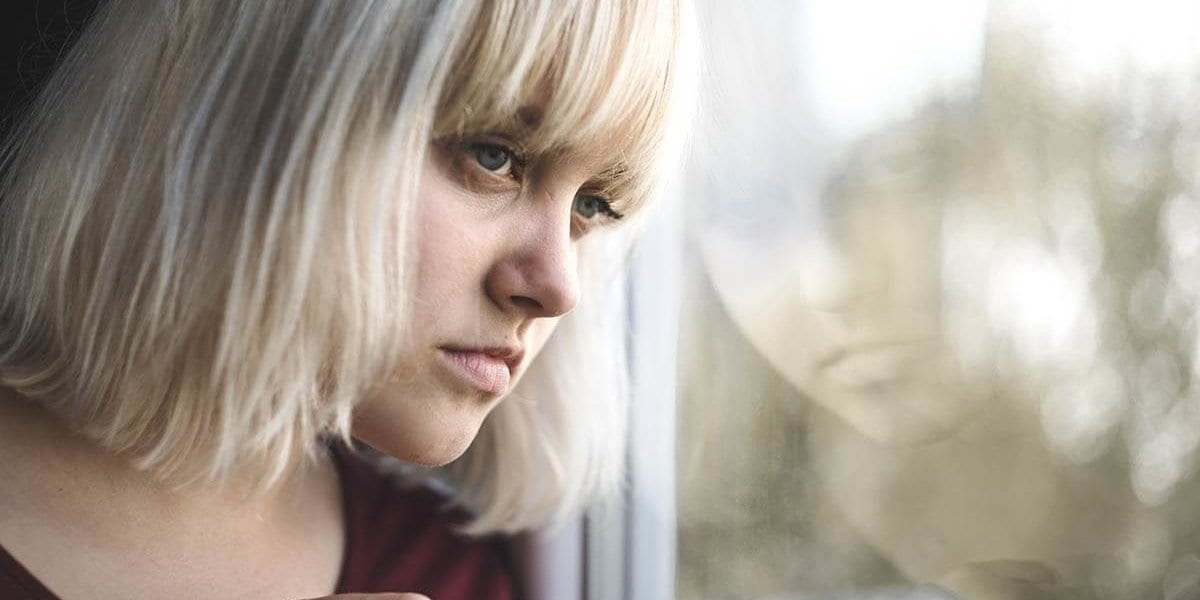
(487, 369)
(872, 366)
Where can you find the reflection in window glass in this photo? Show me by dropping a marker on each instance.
(945, 334)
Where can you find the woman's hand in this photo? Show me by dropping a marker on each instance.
(1010, 580)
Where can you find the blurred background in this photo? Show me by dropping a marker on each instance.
(942, 274)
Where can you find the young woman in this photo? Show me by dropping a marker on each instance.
(234, 236)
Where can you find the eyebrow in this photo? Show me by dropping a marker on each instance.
(526, 119)
(530, 115)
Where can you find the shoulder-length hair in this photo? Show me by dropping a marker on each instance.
(205, 225)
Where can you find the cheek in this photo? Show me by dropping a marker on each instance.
(438, 228)
(451, 248)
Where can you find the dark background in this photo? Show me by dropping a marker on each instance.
(33, 34)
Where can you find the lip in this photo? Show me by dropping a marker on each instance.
(488, 369)
(870, 366)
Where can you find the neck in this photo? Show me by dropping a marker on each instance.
(50, 468)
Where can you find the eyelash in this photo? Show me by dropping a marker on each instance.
(518, 163)
(518, 159)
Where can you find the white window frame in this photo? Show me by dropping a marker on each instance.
(630, 550)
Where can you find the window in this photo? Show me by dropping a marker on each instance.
(939, 265)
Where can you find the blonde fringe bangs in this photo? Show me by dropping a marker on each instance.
(599, 71)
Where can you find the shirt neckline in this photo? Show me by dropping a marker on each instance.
(16, 572)
(348, 536)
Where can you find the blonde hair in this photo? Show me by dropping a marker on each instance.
(204, 248)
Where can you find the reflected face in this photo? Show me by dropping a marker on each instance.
(893, 373)
(499, 237)
(850, 316)
(963, 342)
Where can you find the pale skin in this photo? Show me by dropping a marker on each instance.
(497, 266)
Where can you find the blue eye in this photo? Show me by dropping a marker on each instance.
(492, 157)
(588, 206)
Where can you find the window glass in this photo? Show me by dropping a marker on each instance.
(939, 325)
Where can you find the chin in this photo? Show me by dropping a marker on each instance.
(428, 433)
(902, 418)
(428, 448)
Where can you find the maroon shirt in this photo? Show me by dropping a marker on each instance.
(397, 540)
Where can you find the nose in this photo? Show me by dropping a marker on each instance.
(538, 276)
